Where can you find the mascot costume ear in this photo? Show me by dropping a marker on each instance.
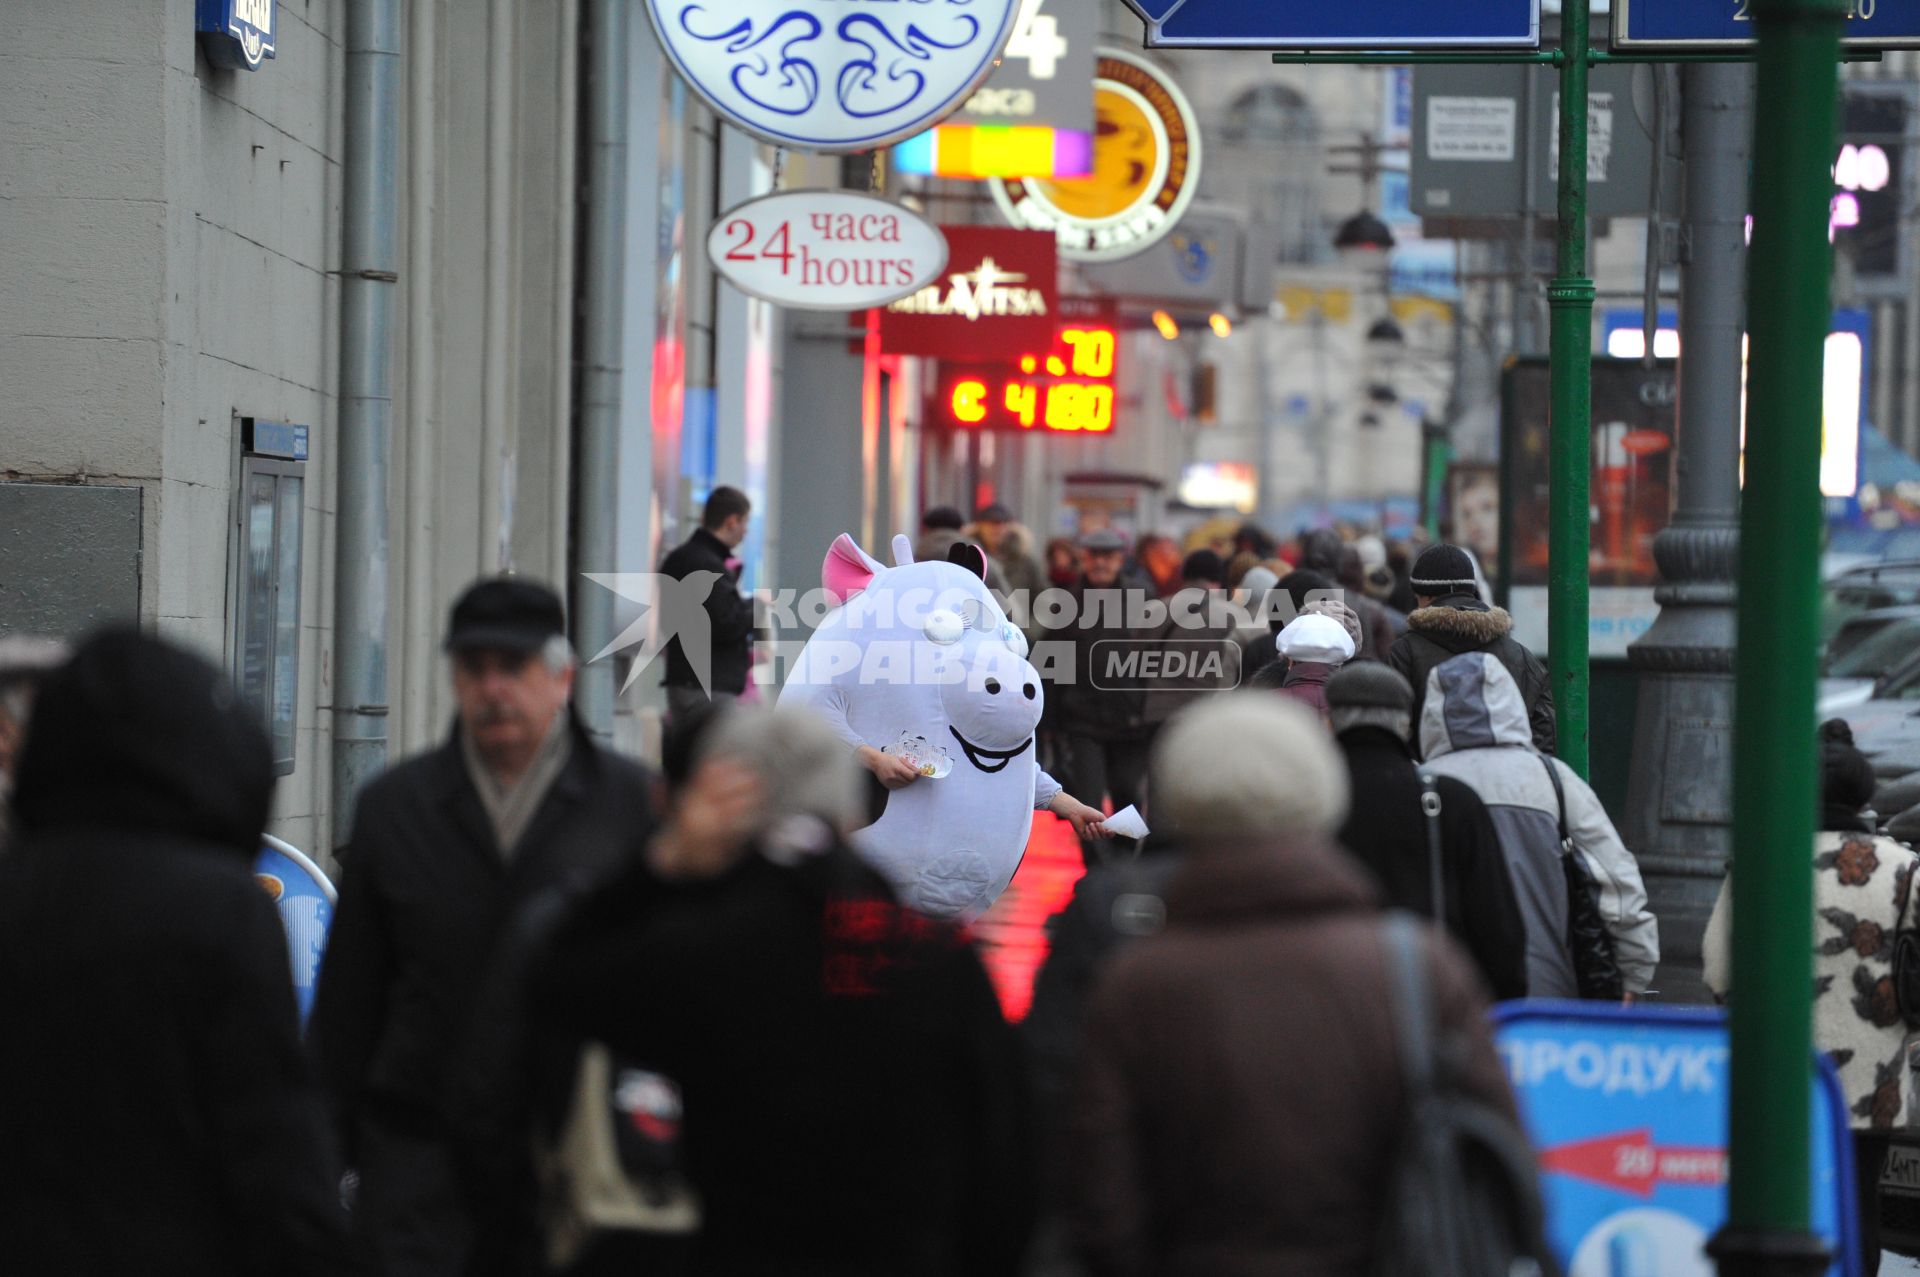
(921, 662)
(969, 556)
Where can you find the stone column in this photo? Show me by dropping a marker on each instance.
(1680, 792)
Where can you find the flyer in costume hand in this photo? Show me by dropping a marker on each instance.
(920, 661)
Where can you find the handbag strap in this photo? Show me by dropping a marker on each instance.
(1430, 807)
(1412, 1008)
(1559, 800)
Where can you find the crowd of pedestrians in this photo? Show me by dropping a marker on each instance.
(576, 1017)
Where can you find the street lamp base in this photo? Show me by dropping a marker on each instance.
(1769, 1252)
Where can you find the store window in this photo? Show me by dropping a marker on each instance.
(267, 629)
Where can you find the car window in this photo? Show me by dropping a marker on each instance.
(1870, 648)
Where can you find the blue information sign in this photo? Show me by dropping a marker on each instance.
(1353, 24)
(1628, 1112)
(1696, 24)
(305, 898)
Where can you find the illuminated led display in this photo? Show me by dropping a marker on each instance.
(1069, 390)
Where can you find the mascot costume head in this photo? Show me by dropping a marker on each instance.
(920, 660)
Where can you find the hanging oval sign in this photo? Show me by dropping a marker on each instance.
(823, 75)
(1146, 168)
(826, 250)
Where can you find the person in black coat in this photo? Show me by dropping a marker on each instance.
(445, 847)
(1452, 619)
(1387, 829)
(853, 1100)
(155, 1107)
(723, 526)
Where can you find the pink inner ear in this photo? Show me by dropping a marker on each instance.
(845, 572)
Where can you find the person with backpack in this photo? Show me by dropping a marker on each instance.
(1250, 1075)
(1864, 923)
(1423, 835)
(1589, 931)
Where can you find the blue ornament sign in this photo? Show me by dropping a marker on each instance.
(236, 34)
(305, 897)
(825, 75)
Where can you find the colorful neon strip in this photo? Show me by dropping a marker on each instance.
(983, 151)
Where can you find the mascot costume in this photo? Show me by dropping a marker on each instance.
(920, 661)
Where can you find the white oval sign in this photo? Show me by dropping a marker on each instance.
(825, 75)
(826, 250)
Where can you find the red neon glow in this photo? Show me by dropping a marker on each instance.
(1013, 934)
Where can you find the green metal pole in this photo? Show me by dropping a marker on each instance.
(1776, 760)
(1570, 356)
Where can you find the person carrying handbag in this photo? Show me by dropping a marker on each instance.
(1554, 835)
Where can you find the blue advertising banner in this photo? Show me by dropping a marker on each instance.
(1695, 24)
(305, 899)
(1628, 1112)
(1356, 24)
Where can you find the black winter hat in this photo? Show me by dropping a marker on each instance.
(1369, 685)
(508, 613)
(942, 517)
(1441, 570)
(136, 734)
(1204, 565)
(1846, 777)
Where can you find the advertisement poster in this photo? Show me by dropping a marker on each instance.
(1627, 1110)
(1632, 499)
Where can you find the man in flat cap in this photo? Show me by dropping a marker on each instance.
(444, 848)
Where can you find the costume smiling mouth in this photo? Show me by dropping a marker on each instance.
(1000, 757)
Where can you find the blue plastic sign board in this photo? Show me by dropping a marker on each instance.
(236, 34)
(822, 75)
(1709, 24)
(1627, 1110)
(305, 899)
(1355, 24)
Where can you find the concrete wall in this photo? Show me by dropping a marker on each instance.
(168, 237)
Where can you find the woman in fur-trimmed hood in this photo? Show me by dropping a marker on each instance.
(1452, 620)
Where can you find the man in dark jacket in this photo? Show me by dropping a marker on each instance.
(1390, 833)
(445, 847)
(1102, 718)
(1239, 1104)
(1452, 619)
(854, 1101)
(729, 658)
(155, 1107)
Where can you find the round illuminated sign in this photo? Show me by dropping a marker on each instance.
(822, 75)
(826, 250)
(1146, 169)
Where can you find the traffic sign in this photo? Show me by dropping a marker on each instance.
(1713, 24)
(1628, 1111)
(1356, 24)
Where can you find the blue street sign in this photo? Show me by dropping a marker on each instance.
(1355, 24)
(305, 899)
(236, 34)
(1627, 1110)
(1695, 24)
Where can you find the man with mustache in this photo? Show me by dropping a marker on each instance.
(445, 847)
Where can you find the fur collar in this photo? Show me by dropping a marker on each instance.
(1478, 626)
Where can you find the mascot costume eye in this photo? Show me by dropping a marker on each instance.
(920, 660)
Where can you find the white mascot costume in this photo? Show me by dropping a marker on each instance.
(920, 660)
